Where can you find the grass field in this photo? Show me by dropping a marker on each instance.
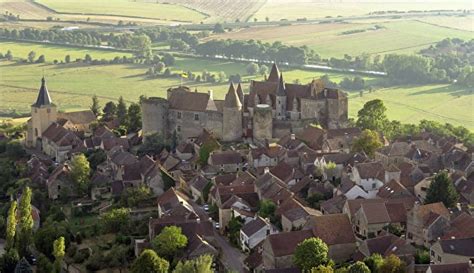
(52, 52)
(326, 39)
(125, 8)
(314, 9)
(455, 22)
(410, 104)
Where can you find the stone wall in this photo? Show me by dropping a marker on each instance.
(154, 116)
(262, 122)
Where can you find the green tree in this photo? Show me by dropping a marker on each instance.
(372, 116)
(201, 264)
(322, 269)
(168, 59)
(311, 253)
(67, 59)
(59, 248)
(11, 226)
(263, 70)
(392, 264)
(41, 59)
(149, 262)
(95, 107)
(169, 241)
(442, 190)
(252, 68)
(358, 267)
(134, 195)
(87, 58)
(9, 260)
(49, 232)
(9, 55)
(110, 110)
(134, 117)
(374, 262)
(122, 111)
(31, 56)
(142, 46)
(44, 264)
(218, 28)
(368, 142)
(267, 209)
(23, 266)
(205, 150)
(80, 171)
(25, 225)
(115, 220)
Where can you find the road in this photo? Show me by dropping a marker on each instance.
(231, 257)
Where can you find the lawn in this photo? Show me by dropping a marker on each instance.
(410, 104)
(405, 36)
(314, 9)
(151, 10)
(55, 52)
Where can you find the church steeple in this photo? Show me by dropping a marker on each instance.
(274, 74)
(43, 95)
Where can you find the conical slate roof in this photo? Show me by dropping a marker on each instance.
(240, 93)
(43, 95)
(231, 98)
(274, 74)
(281, 87)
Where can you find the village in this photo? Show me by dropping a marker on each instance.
(250, 196)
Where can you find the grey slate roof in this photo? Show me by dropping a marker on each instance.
(43, 95)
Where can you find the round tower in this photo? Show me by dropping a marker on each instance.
(232, 114)
(155, 116)
(262, 122)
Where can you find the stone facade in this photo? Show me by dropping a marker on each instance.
(271, 109)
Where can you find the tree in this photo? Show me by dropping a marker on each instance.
(9, 260)
(58, 253)
(31, 56)
(168, 59)
(372, 116)
(392, 264)
(41, 59)
(11, 226)
(49, 232)
(218, 28)
(442, 190)
(134, 117)
(358, 267)
(374, 262)
(25, 225)
(134, 195)
(23, 266)
(205, 150)
(142, 46)
(9, 55)
(95, 107)
(80, 171)
(116, 219)
(44, 265)
(169, 241)
(122, 111)
(368, 142)
(267, 209)
(252, 68)
(263, 70)
(67, 59)
(311, 253)
(87, 58)
(201, 264)
(322, 269)
(110, 109)
(150, 262)
(153, 144)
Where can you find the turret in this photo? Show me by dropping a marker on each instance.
(232, 114)
(240, 93)
(281, 100)
(262, 123)
(274, 74)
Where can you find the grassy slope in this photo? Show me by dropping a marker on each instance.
(52, 52)
(326, 39)
(313, 9)
(125, 8)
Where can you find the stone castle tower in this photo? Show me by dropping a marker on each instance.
(155, 115)
(232, 115)
(262, 122)
(43, 114)
(280, 100)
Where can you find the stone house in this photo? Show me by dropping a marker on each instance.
(227, 161)
(294, 215)
(254, 232)
(425, 223)
(386, 244)
(60, 143)
(59, 183)
(197, 186)
(452, 251)
(371, 218)
(371, 175)
(117, 159)
(267, 156)
(450, 268)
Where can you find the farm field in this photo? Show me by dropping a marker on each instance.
(315, 9)
(406, 36)
(410, 104)
(125, 8)
(456, 22)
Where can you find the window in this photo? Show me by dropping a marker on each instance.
(179, 115)
(432, 253)
(439, 258)
(373, 185)
(36, 131)
(196, 116)
(178, 128)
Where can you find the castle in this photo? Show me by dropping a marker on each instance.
(271, 109)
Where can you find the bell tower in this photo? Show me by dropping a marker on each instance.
(43, 113)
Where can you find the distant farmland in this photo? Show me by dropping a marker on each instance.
(329, 40)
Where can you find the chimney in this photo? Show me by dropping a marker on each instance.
(211, 94)
(266, 170)
(293, 136)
